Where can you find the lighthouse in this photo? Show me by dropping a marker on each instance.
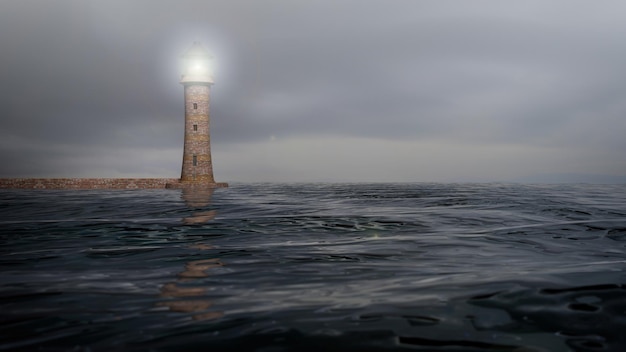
(197, 79)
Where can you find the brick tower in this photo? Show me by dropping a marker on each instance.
(197, 79)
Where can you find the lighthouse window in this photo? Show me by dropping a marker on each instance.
(195, 106)
(195, 127)
(195, 160)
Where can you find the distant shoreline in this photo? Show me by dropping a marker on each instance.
(101, 183)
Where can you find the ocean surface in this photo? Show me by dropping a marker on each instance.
(315, 267)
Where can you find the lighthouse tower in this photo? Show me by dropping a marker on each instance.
(197, 79)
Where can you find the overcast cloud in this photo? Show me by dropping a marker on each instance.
(319, 90)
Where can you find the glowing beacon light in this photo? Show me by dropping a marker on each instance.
(197, 65)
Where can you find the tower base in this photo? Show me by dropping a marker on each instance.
(195, 184)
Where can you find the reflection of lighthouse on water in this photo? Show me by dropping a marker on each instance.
(183, 295)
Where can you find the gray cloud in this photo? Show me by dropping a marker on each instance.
(83, 80)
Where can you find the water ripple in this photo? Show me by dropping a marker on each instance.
(344, 267)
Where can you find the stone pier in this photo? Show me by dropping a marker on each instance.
(86, 183)
(104, 183)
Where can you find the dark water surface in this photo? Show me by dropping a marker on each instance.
(315, 267)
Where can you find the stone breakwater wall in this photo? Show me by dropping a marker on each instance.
(86, 183)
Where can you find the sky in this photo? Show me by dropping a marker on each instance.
(319, 91)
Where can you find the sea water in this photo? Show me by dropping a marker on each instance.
(315, 267)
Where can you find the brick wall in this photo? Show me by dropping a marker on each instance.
(86, 183)
(197, 135)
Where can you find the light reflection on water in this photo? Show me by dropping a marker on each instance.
(315, 267)
(181, 296)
